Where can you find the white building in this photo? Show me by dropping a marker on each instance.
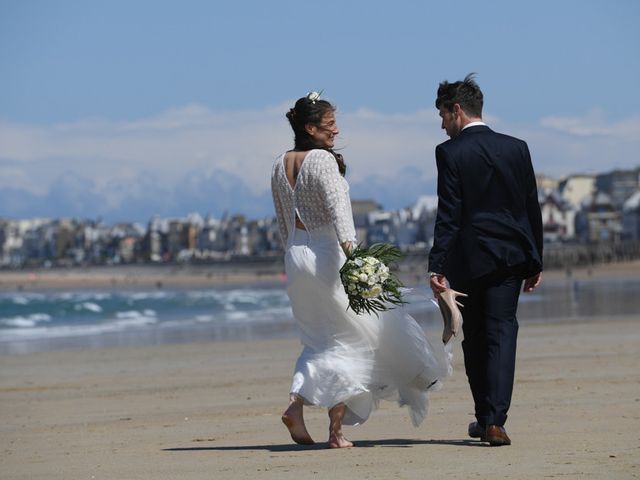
(425, 205)
(558, 217)
(575, 188)
(631, 217)
(424, 214)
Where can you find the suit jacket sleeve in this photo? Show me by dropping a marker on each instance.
(533, 205)
(449, 215)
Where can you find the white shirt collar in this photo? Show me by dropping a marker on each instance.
(474, 124)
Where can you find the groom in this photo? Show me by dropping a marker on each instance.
(487, 240)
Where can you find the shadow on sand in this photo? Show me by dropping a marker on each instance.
(292, 447)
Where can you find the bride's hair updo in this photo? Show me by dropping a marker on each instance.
(307, 111)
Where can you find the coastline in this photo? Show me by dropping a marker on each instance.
(211, 410)
(94, 308)
(240, 274)
(139, 277)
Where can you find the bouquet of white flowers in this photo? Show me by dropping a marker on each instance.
(367, 280)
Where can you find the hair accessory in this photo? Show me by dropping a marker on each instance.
(313, 96)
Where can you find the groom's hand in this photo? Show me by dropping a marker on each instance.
(438, 283)
(531, 283)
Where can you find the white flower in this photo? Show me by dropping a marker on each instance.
(358, 262)
(363, 277)
(369, 260)
(313, 96)
(372, 292)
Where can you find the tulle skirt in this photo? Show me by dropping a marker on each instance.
(354, 359)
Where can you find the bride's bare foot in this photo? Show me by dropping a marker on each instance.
(294, 421)
(336, 438)
(336, 441)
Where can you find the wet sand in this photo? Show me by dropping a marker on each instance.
(139, 277)
(212, 410)
(185, 276)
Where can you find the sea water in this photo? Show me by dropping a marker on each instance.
(33, 321)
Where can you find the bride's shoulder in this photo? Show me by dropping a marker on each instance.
(277, 166)
(320, 158)
(319, 153)
(278, 160)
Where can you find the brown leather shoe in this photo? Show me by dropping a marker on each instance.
(496, 436)
(477, 431)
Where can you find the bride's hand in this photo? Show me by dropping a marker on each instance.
(347, 248)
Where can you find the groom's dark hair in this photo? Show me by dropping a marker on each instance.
(466, 93)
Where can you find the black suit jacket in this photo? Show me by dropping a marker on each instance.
(488, 218)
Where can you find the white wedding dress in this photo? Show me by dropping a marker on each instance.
(348, 358)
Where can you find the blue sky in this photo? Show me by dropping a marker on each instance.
(123, 109)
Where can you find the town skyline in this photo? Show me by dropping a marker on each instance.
(269, 212)
(588, 210)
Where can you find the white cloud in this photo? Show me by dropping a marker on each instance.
(195, 138)
(195, 142)
(595, 124)
(585, 144)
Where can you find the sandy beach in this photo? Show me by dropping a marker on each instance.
(212, 410)
(139, 277)
(185, 276)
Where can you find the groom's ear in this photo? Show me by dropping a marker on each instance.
(457, 109)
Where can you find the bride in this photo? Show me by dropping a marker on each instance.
(349, 362)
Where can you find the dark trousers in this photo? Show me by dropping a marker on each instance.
(490, 333)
